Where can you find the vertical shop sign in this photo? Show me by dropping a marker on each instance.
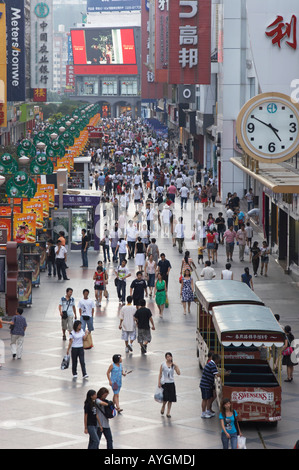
(3, 69)
(41, 44)
(16, 76)
(190, 47)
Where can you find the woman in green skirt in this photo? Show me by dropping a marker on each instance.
(160, 294)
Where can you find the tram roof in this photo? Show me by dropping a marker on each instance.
(221, 292)
(248, 325)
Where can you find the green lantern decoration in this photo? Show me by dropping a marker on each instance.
(26, 149)
(74, 131)
(8, 165)
(55, 149)
(41, 137)
(51, 130)
(20, 185)
(41, 165)
(66, 139)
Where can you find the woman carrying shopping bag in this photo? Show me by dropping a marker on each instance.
(166, 381)
(229, 425)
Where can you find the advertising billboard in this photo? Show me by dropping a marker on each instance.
(104, 51)
(113, 5)
(15, 28)
(3, 68)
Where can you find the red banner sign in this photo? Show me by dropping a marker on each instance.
(190, 44)
(40, 95)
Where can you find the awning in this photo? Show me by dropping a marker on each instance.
(250, 325)
(222, 292)
(279, 178)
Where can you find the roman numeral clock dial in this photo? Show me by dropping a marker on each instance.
(268, 128)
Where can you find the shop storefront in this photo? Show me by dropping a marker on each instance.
(79, 211)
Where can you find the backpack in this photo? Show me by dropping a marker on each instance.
(110, 410)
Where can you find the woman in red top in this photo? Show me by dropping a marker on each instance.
(211, 239)
(204, 196)
(99, 284)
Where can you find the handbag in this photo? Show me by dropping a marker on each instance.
(87, 343)
(288, 351)
(64, 312)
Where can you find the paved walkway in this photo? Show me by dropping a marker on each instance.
(42, 407)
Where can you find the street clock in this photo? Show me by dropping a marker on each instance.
(268, 128)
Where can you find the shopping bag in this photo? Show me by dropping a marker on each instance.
(246, 250)
(166, 303)
(87, 343)
(241, 442)
(65, 362)
(159, 395)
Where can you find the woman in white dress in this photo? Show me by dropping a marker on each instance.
(150, 273)
(140, 250)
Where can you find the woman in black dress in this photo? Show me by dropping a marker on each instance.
(166, 380)
(255, 253)
(287, 359)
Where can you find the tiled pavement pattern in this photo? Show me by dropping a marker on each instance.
(42, 407)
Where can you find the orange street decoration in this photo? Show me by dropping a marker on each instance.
(45, 199)
(24, 228)
(35, 207)
(50, 189)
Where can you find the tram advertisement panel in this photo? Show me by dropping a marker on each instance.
(255, 403)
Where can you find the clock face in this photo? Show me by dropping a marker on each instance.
(268, 128)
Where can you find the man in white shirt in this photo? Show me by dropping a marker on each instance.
(208, 273)
(184, 192)
(86, 310)
(137, 192)
(131, 234)
(61, 253)
(122, 274)
(166, 217)
(179, 182)
(179, 233)
(127, 324)
(227, 274)
(149, 217)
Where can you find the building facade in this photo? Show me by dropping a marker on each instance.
(108, 71)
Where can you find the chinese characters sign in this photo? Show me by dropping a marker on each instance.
(70, 78)
(161, 40)
(40, 95)
(281, 30)
(41, 44)
(190, 48)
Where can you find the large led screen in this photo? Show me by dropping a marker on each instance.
(104, 50)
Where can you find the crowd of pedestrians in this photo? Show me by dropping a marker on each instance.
(147, 190)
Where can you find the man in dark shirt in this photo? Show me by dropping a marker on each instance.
(18, 326)
(144, 318)
(138, 288)
(220, 222)
(164, 267)
(84, 248)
